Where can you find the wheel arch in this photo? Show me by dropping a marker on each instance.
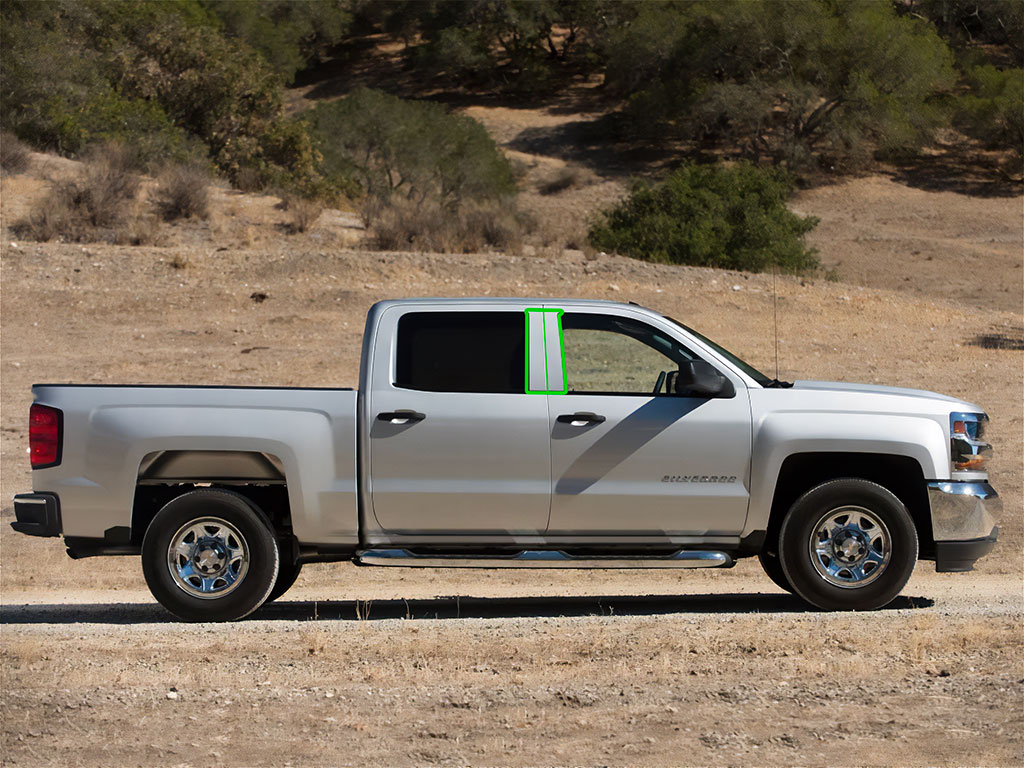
(257, 476)
(903, 476)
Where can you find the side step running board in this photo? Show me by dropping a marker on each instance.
(542, 559)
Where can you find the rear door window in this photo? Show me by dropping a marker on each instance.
(462, 352)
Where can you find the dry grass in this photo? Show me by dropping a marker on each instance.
(230, 225)
(99, 204)
(136, 229)
(567, 177)
(402, 226)
(521, 168)
(315, 641)
(499, 225)
(14, 155)
(248, 179)
(832, 645)
(303, 213)
(182, 192)
(108, 187)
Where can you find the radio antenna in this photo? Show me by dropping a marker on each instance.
(775, 313)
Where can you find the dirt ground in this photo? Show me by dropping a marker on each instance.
(410, 667)
(679, 670)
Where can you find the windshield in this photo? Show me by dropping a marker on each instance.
(747, 368)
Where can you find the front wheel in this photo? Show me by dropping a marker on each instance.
(848, 544)
(209, 555)
(773, 570)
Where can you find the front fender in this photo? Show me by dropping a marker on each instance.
(780, 435)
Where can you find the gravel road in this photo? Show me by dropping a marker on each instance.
(591, 669)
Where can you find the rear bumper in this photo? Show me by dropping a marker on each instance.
(963, 522)
(37, 514)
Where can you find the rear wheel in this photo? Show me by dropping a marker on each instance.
(848, 544)
(286, 575)
(209, 555)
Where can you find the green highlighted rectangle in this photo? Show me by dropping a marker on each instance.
(545, 352)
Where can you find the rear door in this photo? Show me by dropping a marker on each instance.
(456, 446)
(628, 460)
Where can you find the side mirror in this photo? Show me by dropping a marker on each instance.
(696, 378)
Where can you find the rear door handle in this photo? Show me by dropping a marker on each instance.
(400, 417)
(580, 419)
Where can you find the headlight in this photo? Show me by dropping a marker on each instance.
(968, 450)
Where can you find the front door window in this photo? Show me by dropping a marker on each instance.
(609, 355)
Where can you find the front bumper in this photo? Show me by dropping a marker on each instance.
(963, 522)
(37, 514)
(959, 556)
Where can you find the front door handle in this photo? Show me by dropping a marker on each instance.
(400, 417)
(580, 419)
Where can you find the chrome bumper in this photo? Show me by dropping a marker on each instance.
(963, 511)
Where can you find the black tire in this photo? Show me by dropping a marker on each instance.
(773, 570)
(286, 575)
(838, 579)
(235, 526)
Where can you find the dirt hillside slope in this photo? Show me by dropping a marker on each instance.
(943, 245)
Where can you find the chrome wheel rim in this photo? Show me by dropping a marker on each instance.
(850, 547)
(208, 558)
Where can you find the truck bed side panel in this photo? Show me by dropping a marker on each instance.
(109, 430)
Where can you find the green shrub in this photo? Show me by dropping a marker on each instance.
(160, 77)
(969, 23)
(797, 83)
(512, 45)
(47, 73)
(289, 34)
(993, 109)
(106, 116)
(432, 180)
(284, 157)
(415, 150)
(215, 89)
(730, 217)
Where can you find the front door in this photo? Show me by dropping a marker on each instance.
(456, 446)
(629, 459)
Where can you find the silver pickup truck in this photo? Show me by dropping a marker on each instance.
(512, 433)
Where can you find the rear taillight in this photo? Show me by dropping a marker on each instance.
(44, 436)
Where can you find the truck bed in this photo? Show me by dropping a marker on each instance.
(114, 434)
